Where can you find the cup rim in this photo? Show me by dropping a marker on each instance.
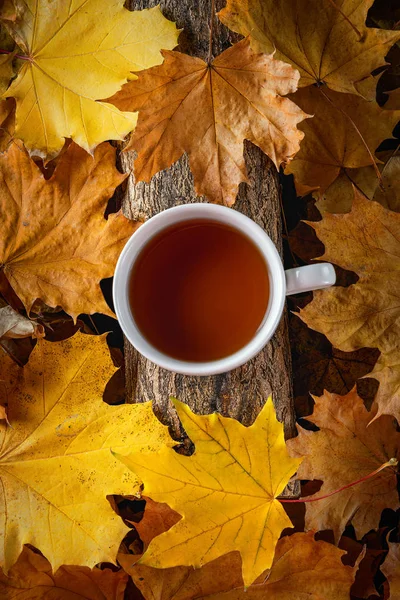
(234, 219)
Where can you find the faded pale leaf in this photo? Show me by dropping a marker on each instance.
(56, 464)
(347, 448)
(80, 52)
(224, 492)
(55, 243)
(301, 568)
(208, 111)
(15, 325)
(315, 38)
(391, 570)
(32, 578)
(331, 141)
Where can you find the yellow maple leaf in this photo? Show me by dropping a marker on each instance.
(79, 52)
(327, 42)
(226, 491)
(56, 467)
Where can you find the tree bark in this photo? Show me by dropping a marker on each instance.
(242, 392)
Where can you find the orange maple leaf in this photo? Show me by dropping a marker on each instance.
(346, 448)
(186, 105)
(55, 243)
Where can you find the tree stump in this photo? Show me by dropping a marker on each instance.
(242, 392)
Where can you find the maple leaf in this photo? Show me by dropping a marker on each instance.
(347, 448)
(208, 111)
(328, 44)
(337, 137)
(7, 123)
(338, 198)
(367, 313)
(60, 248)
(56, 466)
(391, 570)
(32, 577)
(225, 494)
(319, 366)
(78, 53)
(15, 325)
(301, 568)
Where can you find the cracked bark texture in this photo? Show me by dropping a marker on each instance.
(242, 392)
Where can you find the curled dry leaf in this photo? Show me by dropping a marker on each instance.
(301, 568)
(328, 44)
(32, 577)
(367, 313)
(344, 127)
(347, 448)
(208, 111)
(225, 494)
(15, 325)
(60, 250)
(56, 465)
(79, 53)
(391, 570)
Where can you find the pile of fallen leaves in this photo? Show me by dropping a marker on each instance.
(95, 500)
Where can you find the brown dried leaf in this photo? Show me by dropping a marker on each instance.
(32, 578)
(367, 313)
(327, 43)
(302, 568)
(391, 570)
(347, 448)
(208, 111)
(331, 141)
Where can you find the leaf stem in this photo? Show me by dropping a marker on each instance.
(212, 17)
(393, 462)
(21, 56)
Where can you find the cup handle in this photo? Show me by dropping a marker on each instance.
(310, 277)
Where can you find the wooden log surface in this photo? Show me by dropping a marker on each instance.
(242, 392)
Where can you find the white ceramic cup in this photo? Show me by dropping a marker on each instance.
(282, 283)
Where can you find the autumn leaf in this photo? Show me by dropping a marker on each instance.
(224, 492)
(15, 325)
(329, 44)
(301, 568)
(7, 123)
(345, 449)
(391, 570)
(338, 198)
(367, 313)
(32, 577)
(79, 53)
(208, 111)
(56, 466)
(344, 127)
(60, 247)
(158, 517)
(318, 366)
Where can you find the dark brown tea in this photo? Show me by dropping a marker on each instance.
(199, 290)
